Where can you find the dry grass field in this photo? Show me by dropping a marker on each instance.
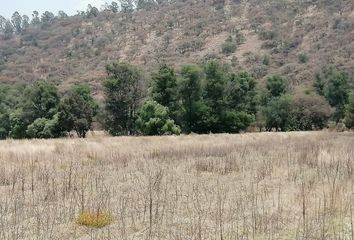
(220, 187)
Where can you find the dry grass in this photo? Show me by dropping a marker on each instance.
(250, 186)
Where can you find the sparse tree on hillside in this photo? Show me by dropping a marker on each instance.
(35, 18)
(91, 11)
(8, 30)
(47, 18)
(114, 7)
(123, 93)
(145, 4)
(25, 22)
(127, 6)
(2, 24)
(62, 14)
(16, 21)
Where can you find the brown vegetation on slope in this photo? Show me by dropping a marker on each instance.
(288, 37)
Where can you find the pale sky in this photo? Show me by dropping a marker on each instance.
(8, 7)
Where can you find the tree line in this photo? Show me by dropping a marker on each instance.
(18, 23)
(207, 98)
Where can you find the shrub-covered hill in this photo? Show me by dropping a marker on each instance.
(289, 37)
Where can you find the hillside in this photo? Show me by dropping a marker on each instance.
(289, 37)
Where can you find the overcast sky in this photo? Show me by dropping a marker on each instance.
(8, 7)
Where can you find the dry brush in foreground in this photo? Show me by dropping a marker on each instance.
(251, 186)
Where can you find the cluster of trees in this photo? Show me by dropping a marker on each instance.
(211, 98)
(205, 98)
(200, 100)
(19, 23)
(38, 111)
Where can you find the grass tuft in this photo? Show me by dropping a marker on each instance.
(94, 219)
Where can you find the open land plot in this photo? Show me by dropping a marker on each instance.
(248, 186)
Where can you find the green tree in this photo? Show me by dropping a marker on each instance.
(194, 112)
(92, 11)
(235, 122)
(277, 86)
(127, 6)
(241, 93)
(19, 122)
(164, 89)
(114, 7)
(8, 31)
(153, 119)
(16, 20)
(123, 90)
(2, 24)
(9, 99)
(349, 111)
(277, 113)
(214, 92)
(44, 128)
(62, 14)
(41, 100)
(336, 92)
(77, 110)
(5, 126)
(25, 22)
(35, 18)
(47, 18)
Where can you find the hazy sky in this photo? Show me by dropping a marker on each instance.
(8, 7)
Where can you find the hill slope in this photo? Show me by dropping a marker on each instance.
(289, 37)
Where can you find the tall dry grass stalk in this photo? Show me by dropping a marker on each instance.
(250, 186)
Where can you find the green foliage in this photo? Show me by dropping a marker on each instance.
(277, 113)
(277, 86)
(164, 89)
(234, 122)
(123, 92)
(228, 47)
(35, 18)
(77, 110)
(215, 80)
(5, 126)
(18, 122)
(241, 93)
(303, 58)
(91, 11)
(8, 30)
(47, 18)
(349, 111)
(334, 86)
(44, 128)
(153, 119)
(193, 108)
(16, 20)
(336, 92)
(40, 100)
